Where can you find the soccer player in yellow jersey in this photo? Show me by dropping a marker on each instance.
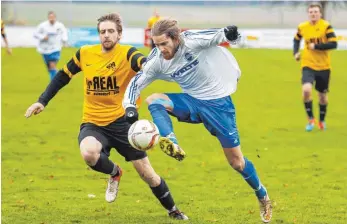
(151, 21)
(3, 34)
(319, 38)
(108, 68)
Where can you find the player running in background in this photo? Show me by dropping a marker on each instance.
(151, 21)
(319, 39)
(3, 34)
(108, 68)
(207, 74)
(51, 35)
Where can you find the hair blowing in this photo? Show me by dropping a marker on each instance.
(113, 17)
(168, 27)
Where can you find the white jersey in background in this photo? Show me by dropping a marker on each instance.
(203, 69)
(57, 34)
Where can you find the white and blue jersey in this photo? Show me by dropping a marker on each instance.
(207, 75)
(57, 35)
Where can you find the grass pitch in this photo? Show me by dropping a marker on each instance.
(44, 179)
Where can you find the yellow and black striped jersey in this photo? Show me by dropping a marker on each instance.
(106, 77)
(2, 28)
(319, 33)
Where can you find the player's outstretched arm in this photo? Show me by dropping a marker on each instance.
(211, 37)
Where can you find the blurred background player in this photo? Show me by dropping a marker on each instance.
(51, 34)
(3, 34)
(151, 21)
(207, 74)
(108, 68)
(319, 39)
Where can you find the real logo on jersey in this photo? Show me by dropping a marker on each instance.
(102, 85)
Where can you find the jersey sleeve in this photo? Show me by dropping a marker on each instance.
(330, 34)
(142, 79)
(2, 28)
(73, 66)
(135, 59)
(298, 35)
(199, 39)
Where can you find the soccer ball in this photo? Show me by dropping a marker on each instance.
(143, 135)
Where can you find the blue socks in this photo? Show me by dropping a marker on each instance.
(250, 175)
(52, 73)
(162, 120)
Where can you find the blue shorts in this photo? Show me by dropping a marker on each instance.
(55, 56)
(217, 115)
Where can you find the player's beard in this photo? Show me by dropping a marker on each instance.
(108, 45)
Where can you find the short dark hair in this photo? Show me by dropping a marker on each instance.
(51, 12)
(168, 27)
(113, 17)
(315, 4)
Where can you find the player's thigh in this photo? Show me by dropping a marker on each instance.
(219, 118)
(117, 133)
(184, 108)
(308, 76)
(91, 139)
(322, 81)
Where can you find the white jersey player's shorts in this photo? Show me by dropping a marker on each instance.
(218, 116)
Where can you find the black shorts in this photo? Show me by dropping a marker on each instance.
(320, 78)
(113, 135)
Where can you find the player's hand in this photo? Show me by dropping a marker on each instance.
(231, 33)
(311, 46)
(297, 56)
(45, 38)
(35, 109)
(131, 115)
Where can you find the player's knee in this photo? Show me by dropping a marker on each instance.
(160, 99)
(51, 65)
(237, 163)
(90, 149)
(153, 97)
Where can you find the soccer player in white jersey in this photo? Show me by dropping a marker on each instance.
(207, 74)
(51, 35)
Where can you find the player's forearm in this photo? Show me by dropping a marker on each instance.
(326, 46)
(59, 81)
(131, 94)
(296, 46)
(39, 36)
